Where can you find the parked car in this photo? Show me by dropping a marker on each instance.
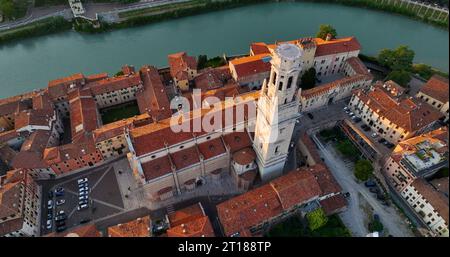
(380, 196)
(60, 202)
(83, 193)
(351, 114)
(83, 189)
(59, 189)
(60, 212)
(356, 119)
(381, 140)
(86, 220)
(82, 206)
(347, 194)
(374, 135)
(83, 197)
(59, 193)
(82, 180)
(374, 190)
(60, 223)
(345, 108)
(49, 215)
(61, 228)
(310, 116)
(49, 224)
(390, 145)
(50, 204)
(81, 202)
(85, 184)
(60, 217)
(50, 194)
(370, 183)
(385, 203)
(376, 217)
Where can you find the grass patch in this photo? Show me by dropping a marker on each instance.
(120, 112)
(293, 227)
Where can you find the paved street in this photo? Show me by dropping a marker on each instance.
(356, 216)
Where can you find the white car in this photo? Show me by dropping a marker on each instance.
(50, 204)
(60, 202)
(83, 206)
(49, 224)
(83, 197)
(83, 189)
(61, 212)
(83, 193)
(374, 135)
(82, 180)
(345, 108)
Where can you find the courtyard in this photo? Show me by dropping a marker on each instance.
(119, 112)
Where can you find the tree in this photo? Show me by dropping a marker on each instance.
(363, 170)
(400, 58)
(326, 29)
(401, 77)
(7, 7)
(423, 70)
(346, 148)
(201, 62)
(376, 225)
(316, 219)
(308, 79)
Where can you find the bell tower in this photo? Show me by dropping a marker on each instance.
(277, 111)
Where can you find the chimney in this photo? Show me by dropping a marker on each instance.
(329, 37)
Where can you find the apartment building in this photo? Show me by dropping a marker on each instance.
(435, 93)
(189, 222)
(19, 205)
(183, 69)
(417, 157)
(139, 227)
(429, 204)
(395, 118)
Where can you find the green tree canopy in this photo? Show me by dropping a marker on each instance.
(325, 29)
(400, 58)
(346, 148)
(363, 170)
(308, 79)
(316, 219)
(376, 225)
(401, 77)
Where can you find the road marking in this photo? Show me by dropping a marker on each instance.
(100, 179)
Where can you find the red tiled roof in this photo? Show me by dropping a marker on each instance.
(437, 88)
(83, 112)
(296, 187)
(335, 46)
(185, 158)
(117, 128)
(181, 62)
(409, 114)
(96, 77)
(244, 156)
(152, 97)
(323, 89)
(66, 152)
(211, 148)
(326, 180)
(358, 66)
(190, 222)
(114, 84)
(248, 66)
(237, 141)
(332, 204)
(259, 48)
(139, 227)
(58, 88)
(157, 168)
(39, 117)
(208, 80)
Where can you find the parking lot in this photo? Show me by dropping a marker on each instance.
(103, 195)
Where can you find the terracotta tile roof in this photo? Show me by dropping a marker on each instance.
(83, 231)
(436, 199)
(211, 148)
(335, 46)
(358, 66)
(36, 142)
(393, 88)
(248, 209)
(183, 215)
(196, 227)
(179, 62)
(114, 84)
(40, 117)
(53, 155)
(244, 156)
(296, 187)
(83, 113)
(7, 154)
(324, 89)
(437, 88)
(59, 87)
(96, 77)
(250, 65)
(208, 80)
(136, 228)
(259, 48)
(185, 158)
(28, 160)
(42, 101)
(325, 179)
(157, 168)
(8, 135)
(409, 114)
(16, 103)
(332, 204)
(159, 134)
(152, 97)
(237, 141)
(117, 128)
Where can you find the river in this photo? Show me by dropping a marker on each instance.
(31, 63)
